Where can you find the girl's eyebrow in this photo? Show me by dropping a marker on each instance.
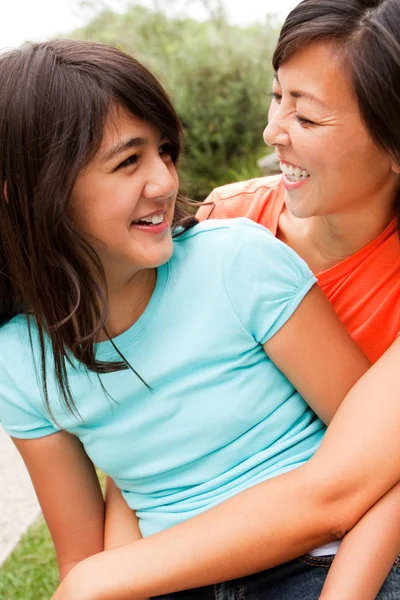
(122, 147)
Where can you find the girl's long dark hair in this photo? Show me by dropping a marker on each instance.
(54, 100)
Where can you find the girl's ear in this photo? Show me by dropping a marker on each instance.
(5, 191)
(396, 168)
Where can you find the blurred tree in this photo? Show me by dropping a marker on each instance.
(218, 76)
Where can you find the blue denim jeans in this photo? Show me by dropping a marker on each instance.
(300, 579)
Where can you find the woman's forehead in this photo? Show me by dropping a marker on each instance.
(316, 73)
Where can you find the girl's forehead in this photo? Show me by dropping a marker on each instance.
(123, 131)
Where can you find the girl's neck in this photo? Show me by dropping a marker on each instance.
(325, 241)
(126, 303)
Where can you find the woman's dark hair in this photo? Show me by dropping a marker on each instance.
(55, 98)
(366, 34)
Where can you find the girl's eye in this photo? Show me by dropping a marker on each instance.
(275, 96)
(165, 149)
(128, 162)
(304, 121)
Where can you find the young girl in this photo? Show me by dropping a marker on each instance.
(171, 363)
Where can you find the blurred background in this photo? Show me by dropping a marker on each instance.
(213, 57)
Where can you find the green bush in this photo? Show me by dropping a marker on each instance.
(218, 77)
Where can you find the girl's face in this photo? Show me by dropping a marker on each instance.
(329, 161)
(124, 201)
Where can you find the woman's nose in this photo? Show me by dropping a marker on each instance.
(276, 132)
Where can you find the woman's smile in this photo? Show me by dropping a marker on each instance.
(293, 176)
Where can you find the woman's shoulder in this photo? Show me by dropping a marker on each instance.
(253, 198)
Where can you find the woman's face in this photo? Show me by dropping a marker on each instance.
(124, 200)
(329, 162)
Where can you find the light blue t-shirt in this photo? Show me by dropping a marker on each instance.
(220, 416)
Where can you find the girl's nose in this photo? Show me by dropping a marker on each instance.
(162, 181)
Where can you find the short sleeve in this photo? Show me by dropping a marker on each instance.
(207, 209)
(18, 415)
(264, 279)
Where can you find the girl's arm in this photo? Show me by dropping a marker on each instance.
(289, 515)
(69, 493)
(367, 553)
(122, 525)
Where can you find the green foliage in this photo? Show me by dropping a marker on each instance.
(218, 77)
(31, 571)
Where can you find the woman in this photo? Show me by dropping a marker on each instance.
(110, 312)
(335, 118)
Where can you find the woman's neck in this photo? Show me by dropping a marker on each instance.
(127, 302)
(325, 241)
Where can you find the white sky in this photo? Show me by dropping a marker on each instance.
(22, 20)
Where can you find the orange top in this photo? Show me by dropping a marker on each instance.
(364, 289)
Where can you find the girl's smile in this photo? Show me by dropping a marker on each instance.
(154, 223)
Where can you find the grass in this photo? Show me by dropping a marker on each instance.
(30, 573)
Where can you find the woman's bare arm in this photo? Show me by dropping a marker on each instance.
(69, 493)
(370, 547)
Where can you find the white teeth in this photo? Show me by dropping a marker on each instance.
(154, 219)
(293, 173)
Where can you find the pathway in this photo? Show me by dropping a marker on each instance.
(18, 504)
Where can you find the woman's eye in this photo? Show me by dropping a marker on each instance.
(304, 121)
(131, 160)
(275, 96)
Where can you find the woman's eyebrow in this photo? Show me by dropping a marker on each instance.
(303, 94)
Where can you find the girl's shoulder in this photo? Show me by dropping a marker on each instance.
(220, 232)
(19, 347)
(15, 335)
(224, 238)
(17, 330)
